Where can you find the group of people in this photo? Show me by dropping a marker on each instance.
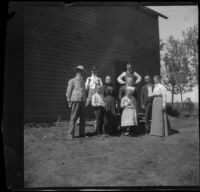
(107, 102)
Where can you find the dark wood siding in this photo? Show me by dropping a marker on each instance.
(56, 39)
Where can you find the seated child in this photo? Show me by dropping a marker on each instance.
(129, 113)
(98, 104)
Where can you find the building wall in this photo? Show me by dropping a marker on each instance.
(56, 39)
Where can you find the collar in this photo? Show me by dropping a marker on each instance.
(157, 84)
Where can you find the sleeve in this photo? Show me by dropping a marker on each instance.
(164, 95)
(139, 78)
(100, 82)
(121, 93)
(69, 90)
(122, 103)
(87, 84)
(105, 90)
(120, 78)
(154, 91)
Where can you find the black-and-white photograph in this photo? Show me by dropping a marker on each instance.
(111, 94)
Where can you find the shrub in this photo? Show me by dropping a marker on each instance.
(174, 112)
(188, 107)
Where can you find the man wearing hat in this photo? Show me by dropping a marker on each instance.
(76, 99)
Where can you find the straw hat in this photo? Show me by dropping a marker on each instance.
(79, 68)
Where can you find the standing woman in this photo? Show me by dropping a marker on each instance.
(110, 107)
(160, 123)
(129, 72)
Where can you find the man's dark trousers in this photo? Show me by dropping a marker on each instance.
(77, 110)
(148, 113)
(99, 114)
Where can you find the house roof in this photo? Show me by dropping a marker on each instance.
(133, 4)
(153, 12)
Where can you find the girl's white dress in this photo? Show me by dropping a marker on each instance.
(129, 114)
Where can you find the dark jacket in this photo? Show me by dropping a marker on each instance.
(144, 95)
(108, 90)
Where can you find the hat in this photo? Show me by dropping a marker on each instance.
(80, 68)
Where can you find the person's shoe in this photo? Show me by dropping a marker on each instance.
(126, 133)
(105, 136)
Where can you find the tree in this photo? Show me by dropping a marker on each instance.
(190, 38)
(175, 70)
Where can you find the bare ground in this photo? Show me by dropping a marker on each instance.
(51, 160)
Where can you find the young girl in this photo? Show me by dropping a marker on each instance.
(129, 114)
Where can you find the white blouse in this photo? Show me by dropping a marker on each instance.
(97, 100)
(94, 81)
(159, 89)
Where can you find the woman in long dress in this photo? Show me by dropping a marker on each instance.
(110, 108)
(160, 123)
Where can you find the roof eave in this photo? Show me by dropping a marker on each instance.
(154, 12)
(133, 4)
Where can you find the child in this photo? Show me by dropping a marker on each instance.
(129, 114)
(98, 104)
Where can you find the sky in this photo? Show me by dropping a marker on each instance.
(179, 19)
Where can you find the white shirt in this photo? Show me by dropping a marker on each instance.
(97, 100)
(131, 88)
(150, 92)
(159, 89)
(93, 83)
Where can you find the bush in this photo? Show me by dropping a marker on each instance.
(180, 112)
(188, 107)
(174, 112)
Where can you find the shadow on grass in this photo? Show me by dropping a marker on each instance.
(173, 131)
(91, 134)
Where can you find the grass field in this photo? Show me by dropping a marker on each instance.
(51, 160)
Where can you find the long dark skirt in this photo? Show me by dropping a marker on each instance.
(109, 115)
(160, 123)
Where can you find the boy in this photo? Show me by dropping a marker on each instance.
(98, 104)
